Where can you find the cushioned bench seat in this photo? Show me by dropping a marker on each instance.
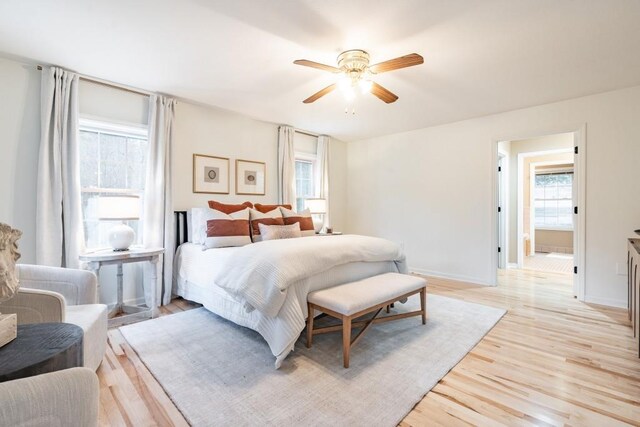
(352, 300)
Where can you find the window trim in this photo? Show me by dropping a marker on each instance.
(117, 128)
(558, 171)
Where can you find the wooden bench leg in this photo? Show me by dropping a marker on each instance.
(423, 305)
(310, 314)
(346, 340)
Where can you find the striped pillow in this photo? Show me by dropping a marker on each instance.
(303, 218)
(227, 230)
(269, 208)
(270, 218)
(275, 232)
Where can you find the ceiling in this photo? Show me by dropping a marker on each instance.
(481, 57)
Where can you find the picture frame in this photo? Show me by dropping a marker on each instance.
(211, 174)
(250, 177)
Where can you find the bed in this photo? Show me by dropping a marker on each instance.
(234, 283)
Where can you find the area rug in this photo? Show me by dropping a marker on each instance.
(218, 373)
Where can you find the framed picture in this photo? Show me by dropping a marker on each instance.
(250, 177)
(210, 174)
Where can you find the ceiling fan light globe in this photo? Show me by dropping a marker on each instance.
(365, 86)
(349, 94)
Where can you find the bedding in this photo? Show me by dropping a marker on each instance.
(227, 208)
(261, 274)
(269, 208)
(303, 218)
(274, 232)
(195, 271)
(273, 217)
(227, 230)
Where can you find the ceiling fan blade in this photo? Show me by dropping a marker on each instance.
(319, 94)
(397, 63)
(383, 93)
(317, 65)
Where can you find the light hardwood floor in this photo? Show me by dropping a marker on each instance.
(551, 360)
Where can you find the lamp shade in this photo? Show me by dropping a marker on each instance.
(316, 206)
(118, 208)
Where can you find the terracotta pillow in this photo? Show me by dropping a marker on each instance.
(227, 208)
(256, 218)
(269, 208)
(303, 218)
(227, 230)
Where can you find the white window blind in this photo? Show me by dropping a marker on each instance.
(113, 161)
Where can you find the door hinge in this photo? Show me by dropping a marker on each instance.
(499, 209)
(575, 210)
(499, 249)
(575, 269)
(575, 149)
(499, 168)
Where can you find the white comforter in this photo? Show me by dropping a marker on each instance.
(260, 274)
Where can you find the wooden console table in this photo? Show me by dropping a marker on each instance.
(633, 260)
(122, 314)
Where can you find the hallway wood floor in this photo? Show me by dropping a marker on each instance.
(551, 360)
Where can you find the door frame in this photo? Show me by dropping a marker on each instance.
(503, 203)
(579, 173)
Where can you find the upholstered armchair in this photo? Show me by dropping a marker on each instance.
(52, 294)
(64, 398)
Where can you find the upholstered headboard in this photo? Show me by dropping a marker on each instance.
(182, 229)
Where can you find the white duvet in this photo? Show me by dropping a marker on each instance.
(260, 275)
(273, 281)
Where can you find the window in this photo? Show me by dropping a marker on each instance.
(113, 161)
(553, 200)
(304, 180)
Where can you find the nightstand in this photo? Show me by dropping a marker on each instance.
(122, 314)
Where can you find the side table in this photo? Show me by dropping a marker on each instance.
(41, 348)
(122, 314)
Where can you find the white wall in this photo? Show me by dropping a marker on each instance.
(432, 188)
(199, 129)
(19, 140)
(212, 131)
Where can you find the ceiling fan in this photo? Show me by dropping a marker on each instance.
(355, 71)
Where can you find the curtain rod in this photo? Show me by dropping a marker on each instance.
(110, 84)
(306, 133)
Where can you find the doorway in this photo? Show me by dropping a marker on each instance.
(539, 191)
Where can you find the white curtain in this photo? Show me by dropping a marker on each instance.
(59, 224)
(158, 220)
(322, 173)
(286, 166)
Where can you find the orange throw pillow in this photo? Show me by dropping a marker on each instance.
(269, 208)
(229, 209)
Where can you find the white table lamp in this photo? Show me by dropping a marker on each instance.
(119, 208)
(316, 207)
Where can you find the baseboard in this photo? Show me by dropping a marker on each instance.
(457, 277)
(512, 265)
(134, 302)
(609, 302)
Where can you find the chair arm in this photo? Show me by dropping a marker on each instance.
(77, 286)
(35, 306)
(64, 398)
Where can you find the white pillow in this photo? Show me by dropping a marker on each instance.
(274, 232)
(198, 225)
(256, 217)
(224, 230)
